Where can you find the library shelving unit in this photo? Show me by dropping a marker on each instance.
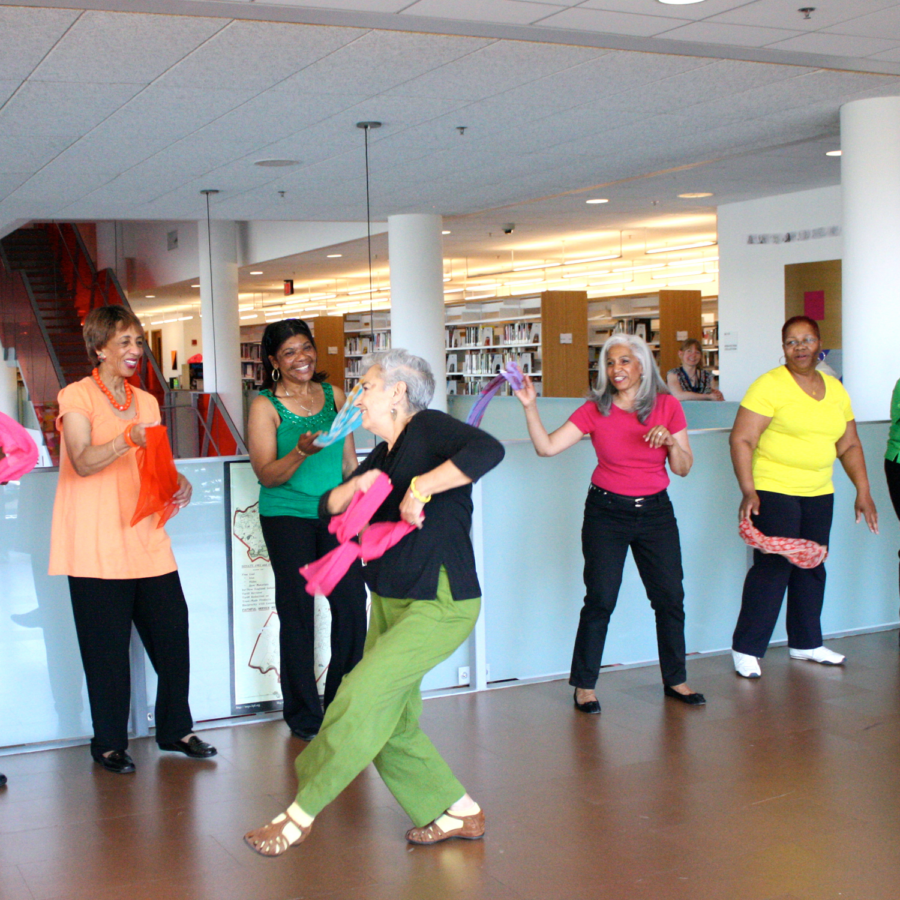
(363, 333)
(545, 334)
(251, 364)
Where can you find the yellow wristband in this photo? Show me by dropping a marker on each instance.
(420, 497)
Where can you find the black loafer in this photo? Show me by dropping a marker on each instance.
(192, 747)
(592, 707)
(693, 699)
(118, 762)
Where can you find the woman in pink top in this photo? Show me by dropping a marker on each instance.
(636, 427)
(119, 574)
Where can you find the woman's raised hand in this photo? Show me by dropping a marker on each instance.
(305, 446)
(528, 395)
(659, 436)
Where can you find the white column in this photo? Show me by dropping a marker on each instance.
(870, 191)
(9, 394)
(417, 293)
(219, 315)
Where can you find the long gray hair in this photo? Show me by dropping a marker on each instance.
(401, 365)
(651, 383)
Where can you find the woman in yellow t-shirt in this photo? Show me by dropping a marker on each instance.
(791, 426)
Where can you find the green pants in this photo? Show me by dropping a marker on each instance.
(374, 716)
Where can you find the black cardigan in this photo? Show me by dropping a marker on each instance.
(409, 570)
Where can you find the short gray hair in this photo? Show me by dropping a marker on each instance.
(651, 383)
(401, 365)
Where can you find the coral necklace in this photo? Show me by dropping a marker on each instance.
(109, 394)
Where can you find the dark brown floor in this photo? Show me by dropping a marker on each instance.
(783, 788)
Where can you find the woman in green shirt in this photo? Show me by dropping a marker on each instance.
(295, 405)
(892, 456)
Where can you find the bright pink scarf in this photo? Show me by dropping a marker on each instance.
(21, 453)
(803, 554)
(323, 575)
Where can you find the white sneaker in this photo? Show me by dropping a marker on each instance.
(746, 665)
(820, 655)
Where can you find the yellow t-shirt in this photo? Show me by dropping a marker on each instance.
(796, 452)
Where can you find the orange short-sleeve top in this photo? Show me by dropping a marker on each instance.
(92, 535)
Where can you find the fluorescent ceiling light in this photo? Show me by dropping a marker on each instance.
(590, 259)
(257, 273)
(597, 200)
(833, 153)
(541, 266)
(698, 279)
(446, 232)
(680, 2)
(696, 195)
(195, 285)
(184, 318)
(681, 247)
(586, 274)
(276, 163)
(334, 256)
(612, 281)
(251, 316)
(150, 297)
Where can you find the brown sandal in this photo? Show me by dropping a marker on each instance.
(471, 829)
(282, 833)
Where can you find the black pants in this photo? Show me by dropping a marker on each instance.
(104, 610)
(293, 542)
(892, 473)
(782, 515)
(612, 524)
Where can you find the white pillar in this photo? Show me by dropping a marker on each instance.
(417, 293)
(9, 391)
(219, 311)
(870, 190)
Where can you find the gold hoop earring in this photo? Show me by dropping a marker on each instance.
(276, 375)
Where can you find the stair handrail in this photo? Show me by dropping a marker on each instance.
(51, 353)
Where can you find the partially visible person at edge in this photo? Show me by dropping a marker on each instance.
(636, 427)
(690, 381)
(119, 575)
(892, 454)
(295, 406)
(792, 424)
(425, 601)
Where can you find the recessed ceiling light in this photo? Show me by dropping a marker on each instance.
(334, 255)
(446, 232)
(696, 195)
(597, 200)
(833, 153)
(256, 273)
(276, 163)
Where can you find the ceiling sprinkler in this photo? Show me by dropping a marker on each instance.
(807, 11)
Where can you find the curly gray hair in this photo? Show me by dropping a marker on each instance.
(401, 365)
(651, 383)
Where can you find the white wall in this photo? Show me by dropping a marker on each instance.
(751, 276)
(259, 242)
(155, 265)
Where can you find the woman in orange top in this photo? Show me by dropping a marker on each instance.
(119, 574)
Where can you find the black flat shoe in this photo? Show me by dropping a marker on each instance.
(303, 735)
(694, 699)
(592, 707)
(192, 747)
(118, 762)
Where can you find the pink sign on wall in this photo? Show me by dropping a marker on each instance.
(814, 305)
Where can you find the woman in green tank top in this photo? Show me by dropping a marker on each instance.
(295, 405)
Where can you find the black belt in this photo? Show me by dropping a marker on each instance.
(625, 502)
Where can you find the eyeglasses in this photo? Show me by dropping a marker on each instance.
(809, 341)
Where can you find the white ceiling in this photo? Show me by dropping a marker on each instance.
(106, 114)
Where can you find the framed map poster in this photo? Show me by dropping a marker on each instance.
(255, 676)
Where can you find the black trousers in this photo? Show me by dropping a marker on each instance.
(783, 515)
(892, 473)
(293, 542)
(104, 610)
(612, 524)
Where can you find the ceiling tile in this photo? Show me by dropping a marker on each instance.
(611, 22)
(385, 6)
(103, 47)
(888, 55)
(62, 107)
(654, 8)
(882, 24)
(27, 35)
(380, 60)
(734, 35)
(247, 55)
(778, 14)
(835, 44)
(495, 69)
(23, 153)
(511, 12)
